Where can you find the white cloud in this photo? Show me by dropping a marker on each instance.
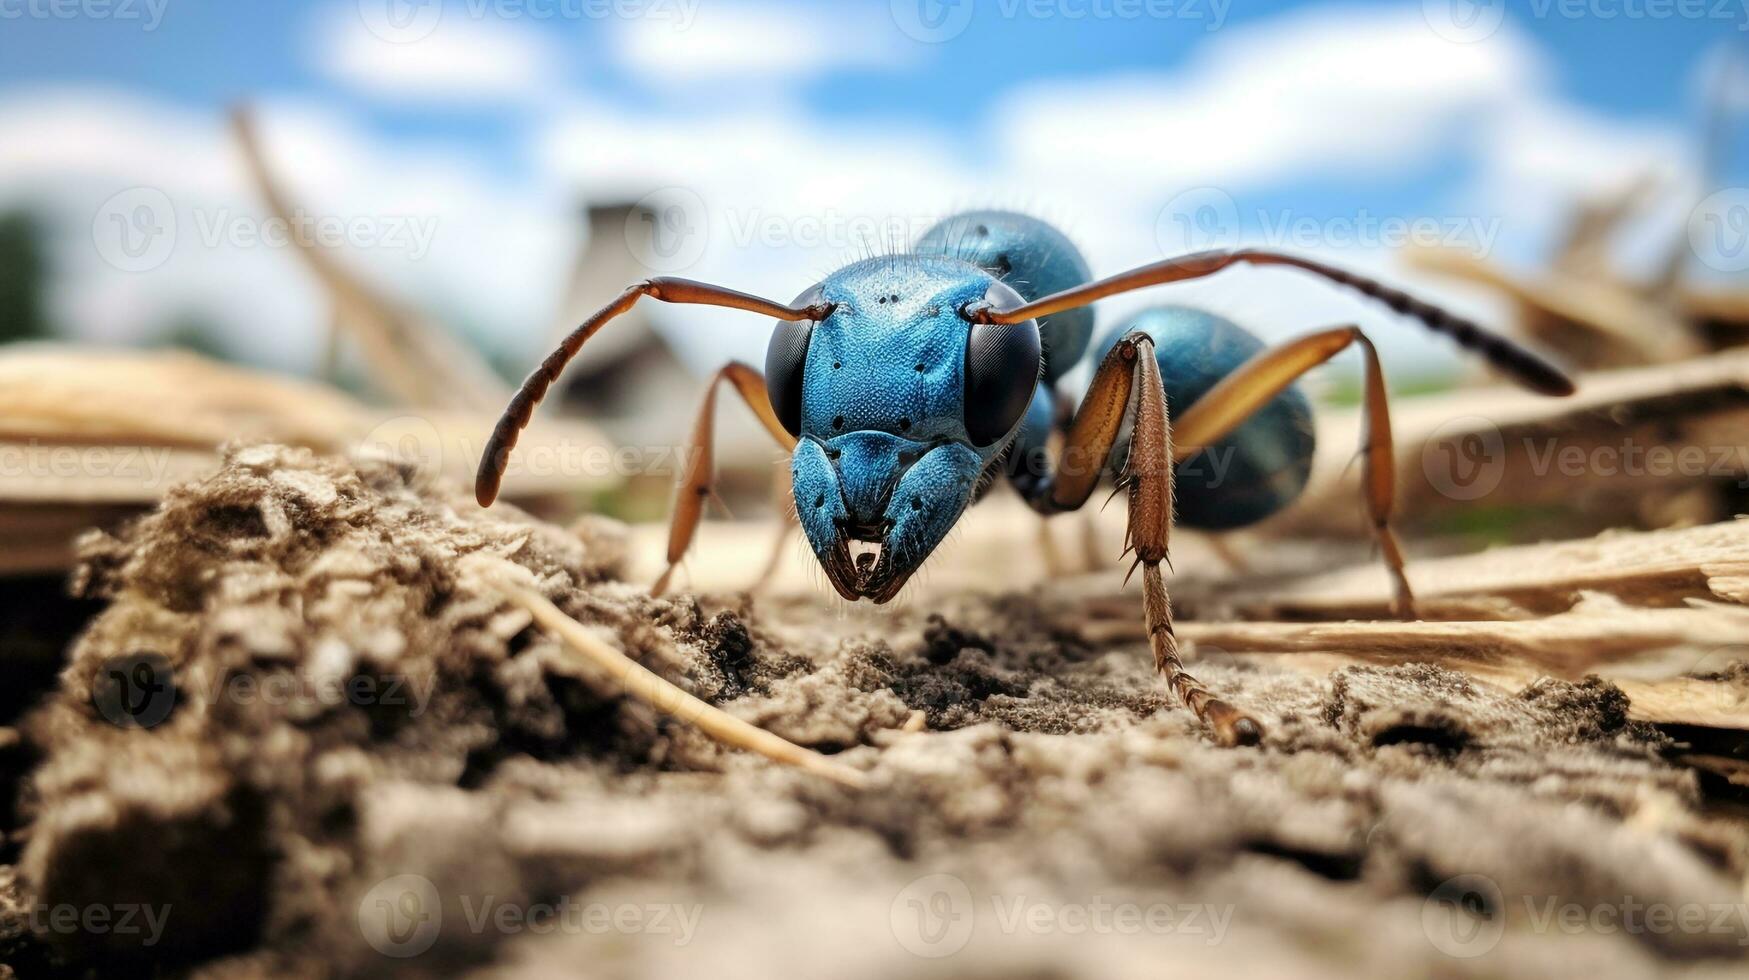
(495, 258)
(1308, 94)
(459, 59)
(754, 43)
(1538, 159)
(1722, 75)
(786, 196)
(1543, 148)
(781, 199)
(778, 197)
(78, 133)
(1336, 91)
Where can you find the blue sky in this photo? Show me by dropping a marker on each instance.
(499, 121)
(206, 52)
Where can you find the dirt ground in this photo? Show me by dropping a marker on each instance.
(295, 741)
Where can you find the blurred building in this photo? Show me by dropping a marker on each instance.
(629, 382)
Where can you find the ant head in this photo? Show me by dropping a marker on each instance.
(900, 404)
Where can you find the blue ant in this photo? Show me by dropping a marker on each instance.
(904, 385)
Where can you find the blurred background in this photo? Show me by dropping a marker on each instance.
(352, 225)
(457, 182)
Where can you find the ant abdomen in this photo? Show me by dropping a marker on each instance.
(1251, 472)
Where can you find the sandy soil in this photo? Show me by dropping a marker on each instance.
(295, 742)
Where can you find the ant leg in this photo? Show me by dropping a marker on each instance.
(1083, 555)
(1260, 379)
(1517, 363)
(775, 558)
(1089, 541)
(493, 461)
(1227, 553)
(784, 497)
(695, 483)
(1085, 532)
(1047, 546)
(1147, 475)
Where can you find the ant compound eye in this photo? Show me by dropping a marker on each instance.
(785, 360)
(1002, 370)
